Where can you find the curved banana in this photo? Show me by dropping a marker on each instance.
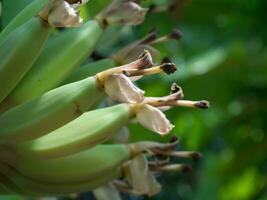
(59, 57)
(57, 107)
(89, 129)
(71, 48)
(18, 52)
(26, 14)
(89, 69)
(28, 186)
(96, 161)
(49, 111)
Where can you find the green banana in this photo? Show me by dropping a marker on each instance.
(58, 59)
(26, 14)
(71, 49)
(89, 69)
(86, 131)
(57, 107)
(123, 56)
(49, 111)
(95, 162)
(38, 188)
(11, 8)
(18, 52)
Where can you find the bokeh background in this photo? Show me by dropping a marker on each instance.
(222, 57)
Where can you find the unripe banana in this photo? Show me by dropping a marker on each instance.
(49, 111)
(89, 69)
(96, 161)
(72, 48)
(18, 52)
(89, 129)
(38, 188)
(58, 59)
(26, 14)
(61, 105)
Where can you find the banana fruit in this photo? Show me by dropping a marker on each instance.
(70, 49)
(26, 14)
(58, 59)
(18, 51)
(25, 186)
(96, 161)
(49, 111)
(57, 107)
(89, 69)
(18, 54)
(86, 131)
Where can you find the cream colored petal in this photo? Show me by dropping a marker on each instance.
(107, 192)
(122, 12)
(63, 15)
(154, 120)
(120, 88)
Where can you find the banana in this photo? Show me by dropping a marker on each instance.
(123, 56)
(70, 49)
(26, 14)
(57, 60)
(96, 161)
(31, 187)
(18, 51)
(86, 131)
(57, 107)
(89, 70)
(49, 111)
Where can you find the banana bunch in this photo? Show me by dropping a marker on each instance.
(52, 131)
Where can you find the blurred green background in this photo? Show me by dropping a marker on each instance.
(222, 58)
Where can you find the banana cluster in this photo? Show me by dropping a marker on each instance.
(52, 131)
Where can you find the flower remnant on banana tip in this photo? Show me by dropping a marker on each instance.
(60, 13)
(120, 88)
(122, 12)
(144, 61)
(131, 51)
(152, 108)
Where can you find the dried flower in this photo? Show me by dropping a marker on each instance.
(153, 119)
(60, 13)
(120, 88)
